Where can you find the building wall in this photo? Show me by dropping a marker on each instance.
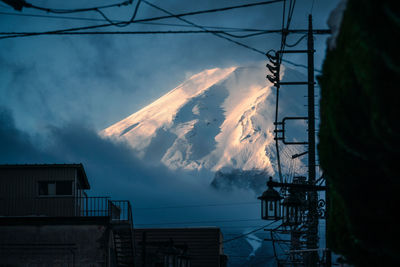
(55, 245)
(204, 247)
(22, 182)
(19, 192)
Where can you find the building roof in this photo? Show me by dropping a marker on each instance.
(79, 166)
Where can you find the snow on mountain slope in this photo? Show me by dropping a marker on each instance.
(140, 127)
(219, 118)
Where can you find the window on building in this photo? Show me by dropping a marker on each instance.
(64, 188)
(55, 188)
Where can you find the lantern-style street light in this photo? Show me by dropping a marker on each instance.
(292, 206)
(270, 203)
(290, 211)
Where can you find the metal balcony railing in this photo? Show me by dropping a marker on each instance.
(66, 206)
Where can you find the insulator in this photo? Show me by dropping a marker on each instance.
(273, 69)
(271, 79)
(272, 58)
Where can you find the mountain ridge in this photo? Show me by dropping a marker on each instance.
(217, 119)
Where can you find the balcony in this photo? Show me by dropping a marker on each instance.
(69, 206)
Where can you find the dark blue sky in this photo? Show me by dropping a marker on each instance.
(57, 92)
(98, 80)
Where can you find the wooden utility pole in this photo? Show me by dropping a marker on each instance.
(312, 219)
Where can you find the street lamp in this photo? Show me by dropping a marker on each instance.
(270, 203)
(291, 209)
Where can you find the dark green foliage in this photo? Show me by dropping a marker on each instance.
(359, 134)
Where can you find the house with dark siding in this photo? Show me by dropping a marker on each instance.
(48, 219)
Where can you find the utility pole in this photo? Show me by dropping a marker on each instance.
(312, 217)
(301, 206)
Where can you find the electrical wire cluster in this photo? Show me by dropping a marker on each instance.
(276, 58)
(132, 20)
(220, 32)
(20, 4)
(248, 233)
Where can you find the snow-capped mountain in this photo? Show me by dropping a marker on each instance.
(219, 118)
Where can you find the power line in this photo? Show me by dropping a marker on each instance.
(18, 5)
(196, 206)
(105, 32)
(277, 96)
(170, 15)
(297, 42)
(147, 23)
(197, 222)
(73, 30)
(240, 227)
(290, 14)
(29, 34)
(198, 26)
(223, 37)
(123, 24)
(297, 65)
(227, 29)
(312, 7)
(154, 18)
(248, 233)
(243, 256)
(285, 32)
(26, 34)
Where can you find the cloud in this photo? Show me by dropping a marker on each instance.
(113, 170)
(16, 146)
